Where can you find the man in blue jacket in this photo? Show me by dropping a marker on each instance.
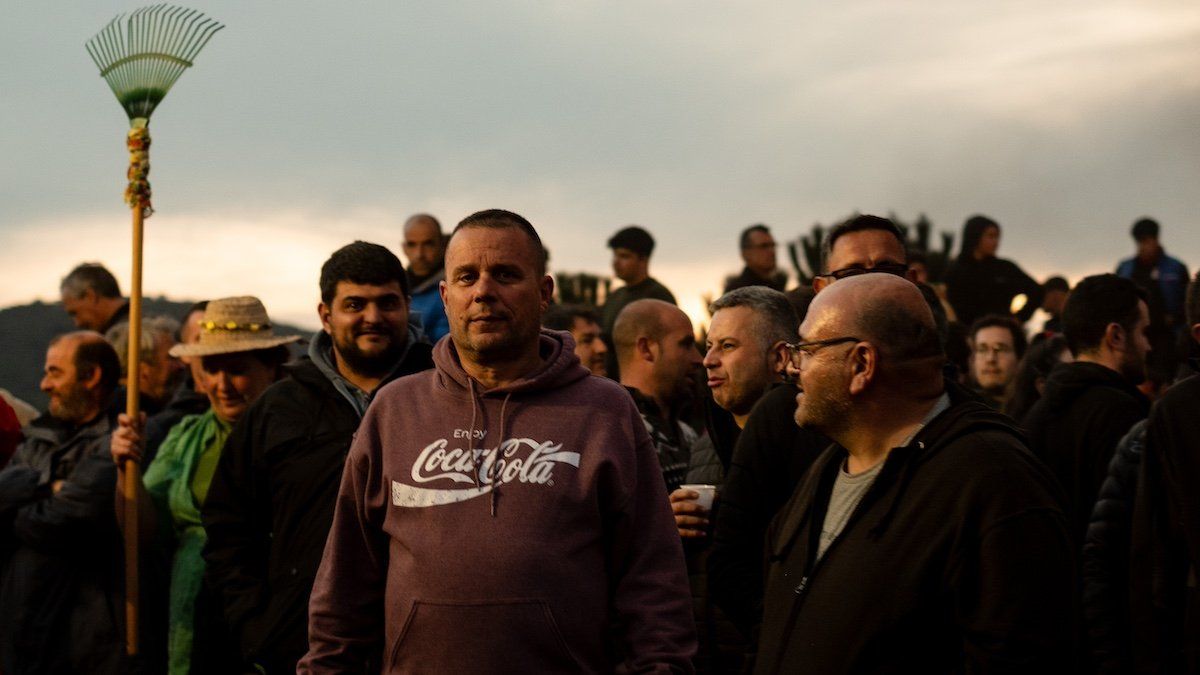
(424, 247)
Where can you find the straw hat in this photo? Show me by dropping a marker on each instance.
(233, 325)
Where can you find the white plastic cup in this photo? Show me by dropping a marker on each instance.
(706, 492)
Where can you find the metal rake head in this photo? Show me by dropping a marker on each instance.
(141, 54)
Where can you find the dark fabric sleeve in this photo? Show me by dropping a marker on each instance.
(1016, 609)
(648, 574)
(1024, 284)
(238, 528)
(960, 294)
(1106, 558)
(59, 521)
(346, 610)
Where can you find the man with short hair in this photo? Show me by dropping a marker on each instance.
(186, 399)
(1152, 269)
(271, 501)
(657, 352)
(515, 520)
(424, 247)
(758, 252)
(584, 326)
(92, 298)
(927, 539)
(631, 247)
(159, 371)
(997, 345)
(60, 586)
(1087, 406)
(772, 453)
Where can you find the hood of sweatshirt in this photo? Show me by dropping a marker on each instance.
(1069, 381)
(320, 350)
(560, 367)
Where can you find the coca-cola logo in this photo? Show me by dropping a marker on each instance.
(520, 460)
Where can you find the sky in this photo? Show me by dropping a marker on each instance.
(304, 125)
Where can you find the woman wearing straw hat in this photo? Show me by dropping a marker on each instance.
(240, 357)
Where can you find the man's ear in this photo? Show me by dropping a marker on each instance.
(1196, 332)
(819, 283)
(778, 357)
(546, 287)
(323, 313)
(644, 349)
(1114, 337)
(863, 363)
(91, 381)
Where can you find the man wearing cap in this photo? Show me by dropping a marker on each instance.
(271, 501)
(631, 247)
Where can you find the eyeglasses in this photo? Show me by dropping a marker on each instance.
(895, 269)
(996, 350)
(799, 350)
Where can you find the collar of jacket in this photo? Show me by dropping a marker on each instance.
(965, 414)
(320, 349)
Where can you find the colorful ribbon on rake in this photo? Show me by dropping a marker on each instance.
(137, 193)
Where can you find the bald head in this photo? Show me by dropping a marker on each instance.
(650, 319)
(423, 244)
(882, 309)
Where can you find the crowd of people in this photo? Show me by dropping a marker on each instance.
(458, 474)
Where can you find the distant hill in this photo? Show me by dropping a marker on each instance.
(25, 331)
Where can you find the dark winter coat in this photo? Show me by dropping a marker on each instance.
(777, 281)
(1074, 428)
(770, 457)
(270, 507)
(1166, 537)
(977, 288)
(60, 598)
(957, 559)
(1106, 558)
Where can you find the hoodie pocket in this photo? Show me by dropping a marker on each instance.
(508, 635)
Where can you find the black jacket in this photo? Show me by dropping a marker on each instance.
(770, 457)
(1084, 411)
(1106, 558)
(957, 559)
(60, 598)
(777, 281)
(977, 288)
(270, 507)
(1165, 597)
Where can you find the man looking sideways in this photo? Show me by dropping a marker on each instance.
(271, 501)
(584, 327)
(927, 539)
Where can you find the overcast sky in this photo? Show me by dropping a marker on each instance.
(304, 125)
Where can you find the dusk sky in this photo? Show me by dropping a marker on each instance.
(305, 125)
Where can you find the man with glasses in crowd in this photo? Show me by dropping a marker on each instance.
(758, 252)
(772, 453)
(928, 505)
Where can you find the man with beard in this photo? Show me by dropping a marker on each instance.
(59, 547)
(657, 352)
(271, 501)
(1087, 406)
(424, 247)
(505, 512)
(997, 345)
(584, 326)
(926, 539)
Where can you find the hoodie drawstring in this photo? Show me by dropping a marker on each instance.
(496, 462)
(475, 453)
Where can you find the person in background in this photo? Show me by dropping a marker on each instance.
(657, 352)
(60, 555)
(1040, 359)
(758, 252)
(1166, 526)
(271, 501)
(997, 345)
(92, 298)
(158, 372)
(240, 356)
(631, 247)
(1054, 298)
(25, 412)
(425, 247)
(584, 326)
(923, 490)
(505, 512)
(189, 397)
(1165, 280)
(978, 283)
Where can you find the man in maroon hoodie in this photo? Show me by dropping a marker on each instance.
(504, 512)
